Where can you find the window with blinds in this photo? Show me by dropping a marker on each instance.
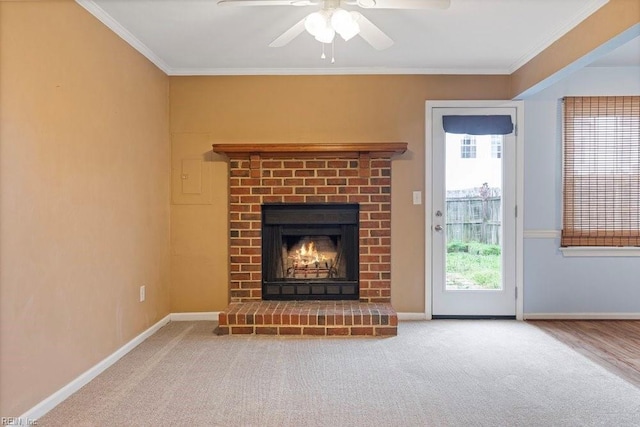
(601, 166)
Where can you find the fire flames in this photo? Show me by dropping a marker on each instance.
(307, 262)
(308, 254)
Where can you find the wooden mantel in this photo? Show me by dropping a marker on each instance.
(343, 150)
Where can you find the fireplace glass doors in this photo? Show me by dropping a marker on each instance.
(310, 251)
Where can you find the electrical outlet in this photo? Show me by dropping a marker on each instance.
(417, 197)
(142, 293)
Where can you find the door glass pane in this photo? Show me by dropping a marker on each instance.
(473, 212)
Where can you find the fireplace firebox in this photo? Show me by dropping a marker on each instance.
(310, 251)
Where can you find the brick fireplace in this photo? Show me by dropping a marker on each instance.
(317, 174)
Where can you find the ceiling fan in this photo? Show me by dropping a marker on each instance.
(332, 19)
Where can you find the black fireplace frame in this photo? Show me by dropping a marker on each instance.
(309, 219)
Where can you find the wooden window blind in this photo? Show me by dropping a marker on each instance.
(601, 166)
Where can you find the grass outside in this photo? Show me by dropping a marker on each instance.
(473, 265)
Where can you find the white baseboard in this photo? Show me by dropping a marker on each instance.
(59, 396)
(546, 316)
(582, 316)
(184, 317)
(412, 316)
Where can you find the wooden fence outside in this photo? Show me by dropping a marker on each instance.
(474, 215)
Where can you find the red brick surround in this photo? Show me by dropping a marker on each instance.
(310, 181)
(349, 173)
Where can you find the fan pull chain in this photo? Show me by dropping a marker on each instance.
(333, 45)
(323, 56)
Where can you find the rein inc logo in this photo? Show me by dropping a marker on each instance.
(18, 421)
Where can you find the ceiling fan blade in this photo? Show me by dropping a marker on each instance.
(401, 4)
(289, 35)
(372, 34)
(267, 2)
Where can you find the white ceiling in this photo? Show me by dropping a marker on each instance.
(198, 37)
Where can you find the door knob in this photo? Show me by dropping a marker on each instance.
(438, 227)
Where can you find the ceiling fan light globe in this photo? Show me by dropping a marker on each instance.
(326, 35)
(315, 22)
(340, 18)
(345, 24)
(350, 32)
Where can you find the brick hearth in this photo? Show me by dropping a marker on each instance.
(319, 318)
(286, 173)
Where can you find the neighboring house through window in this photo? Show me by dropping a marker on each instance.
(496, 146)
(468, 147)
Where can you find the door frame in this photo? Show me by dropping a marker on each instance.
(428, 205)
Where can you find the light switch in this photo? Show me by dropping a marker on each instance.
(417, 197)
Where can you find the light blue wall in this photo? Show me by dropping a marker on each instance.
(552, 282)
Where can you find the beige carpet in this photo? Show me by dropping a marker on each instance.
(437, 373)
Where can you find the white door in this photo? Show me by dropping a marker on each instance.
(473, 218)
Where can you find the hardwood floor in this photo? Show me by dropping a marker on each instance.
(613, 344)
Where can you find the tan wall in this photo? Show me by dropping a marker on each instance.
(84, 179)
(84, 208)
(607, 22)
(199, 280)
(206, 110)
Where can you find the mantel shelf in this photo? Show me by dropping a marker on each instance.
(346, 149)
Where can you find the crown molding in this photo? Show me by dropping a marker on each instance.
(553, 36)
(333, 71)
(94, 9)
(100, 14)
